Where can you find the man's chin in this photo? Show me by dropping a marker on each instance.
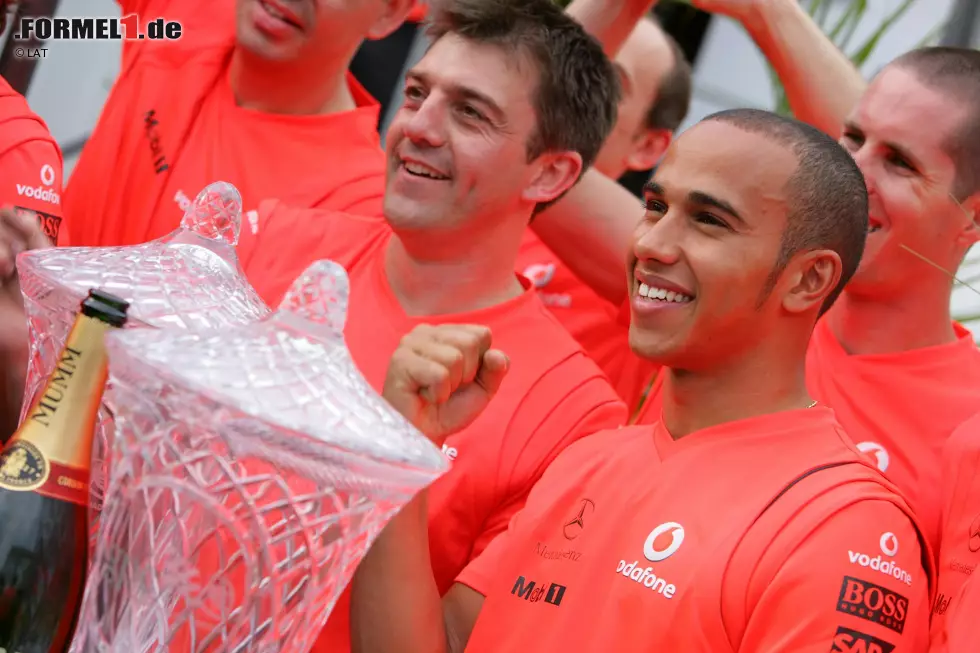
(259, 47)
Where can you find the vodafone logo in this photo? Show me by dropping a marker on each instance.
(47, 175)
(876, 450)
(651, 550)
(540, 274)
(42, 193)
(888, 544)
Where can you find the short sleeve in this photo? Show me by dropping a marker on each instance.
(857, 583)
(31, 175)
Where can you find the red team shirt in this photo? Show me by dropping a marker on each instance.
(593, 321)
(30, 164)
(553, 394)
(171, 126)
(763, 535)
(954, 616)
(899, 409)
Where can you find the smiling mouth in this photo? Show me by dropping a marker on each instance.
(275, 13)
(660, 294)
(419, 170)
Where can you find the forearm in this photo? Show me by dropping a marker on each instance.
(821, 83)
(609, 21)
(591, 231)
(395, 604)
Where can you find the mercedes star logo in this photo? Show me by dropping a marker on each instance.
(575, 526)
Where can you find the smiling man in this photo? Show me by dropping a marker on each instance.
(817, 552)
(890, 361)
(508, 106)
(656, 82)
(255, 93)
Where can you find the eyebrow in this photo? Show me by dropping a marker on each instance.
(698, 197)
(898, 149)
(461, 92)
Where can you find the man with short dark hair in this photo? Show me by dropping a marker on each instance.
(510, 103)
(725, 288)
(656, 82)
(890, 361)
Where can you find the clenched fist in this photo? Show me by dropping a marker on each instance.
(442, 377)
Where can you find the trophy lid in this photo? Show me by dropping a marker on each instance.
(189, 278)
(288, 380)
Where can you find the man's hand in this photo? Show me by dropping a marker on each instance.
(442, 377)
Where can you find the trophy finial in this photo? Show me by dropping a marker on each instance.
(320, 295)
(216, 213)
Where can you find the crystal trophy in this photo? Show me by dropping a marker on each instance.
(253, 466)
(188, 279)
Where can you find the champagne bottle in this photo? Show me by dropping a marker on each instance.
(44, 490)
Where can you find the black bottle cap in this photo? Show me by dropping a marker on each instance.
(106, 307)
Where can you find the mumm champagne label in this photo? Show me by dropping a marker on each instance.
(50, 453)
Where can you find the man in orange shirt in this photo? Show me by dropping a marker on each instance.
(656, 81)
(632, 540)
(954, 611)
(255, 93)
(499, 117)
(888, 359)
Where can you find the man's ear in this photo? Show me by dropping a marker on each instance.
(808, 280)
(556, 173)
(970, 233)
(648, 148)
(392, 19)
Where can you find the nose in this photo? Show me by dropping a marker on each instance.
(659, 241)
(426, 124)
(863, 158)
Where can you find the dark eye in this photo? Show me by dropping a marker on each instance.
(470, 112)
(711, 220)
(413, 93)
(853, 138)
(655, 206)
(900, 161)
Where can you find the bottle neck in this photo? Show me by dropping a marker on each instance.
(53, 446)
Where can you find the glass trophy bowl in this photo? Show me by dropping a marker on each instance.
(253, 466)
(188, 279)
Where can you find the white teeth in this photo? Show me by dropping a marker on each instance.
(422, 171)
(662, 294)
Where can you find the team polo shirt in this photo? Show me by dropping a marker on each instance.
(761, 535)
(171, 126)
(959, 552)
(593, 321)
(30, 164)
(900, 408)
(963, 633)
(552, 395)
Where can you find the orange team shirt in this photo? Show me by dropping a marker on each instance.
(171, 126)
(964, 633)
(30, 164)
(899, 408)
(959, 552)
(594, 322)
(767, 534)
(552, 395)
